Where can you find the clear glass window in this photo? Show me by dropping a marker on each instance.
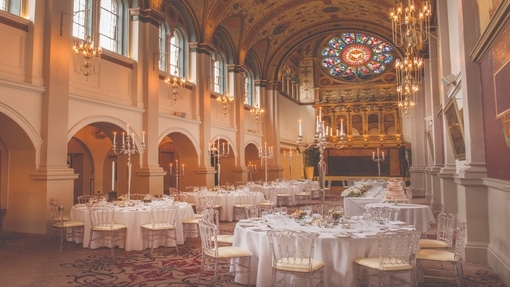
(108, 29)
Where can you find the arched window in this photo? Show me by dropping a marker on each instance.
(163, 47)
(176, 54)
(249, 89)
(109, 23)
(111, 15)
(220, 73)
(11, 6)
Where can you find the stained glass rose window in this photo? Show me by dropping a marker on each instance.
(356, 56)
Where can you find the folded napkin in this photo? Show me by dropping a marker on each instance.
(241, 224)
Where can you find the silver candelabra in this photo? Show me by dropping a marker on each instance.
(177, 172)
(128, 148)
(321, 142)
(378, 159)
(251, 169)
(265, 154)
(217, 151)
(290, 155)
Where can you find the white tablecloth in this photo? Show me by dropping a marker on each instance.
(419, 215)
(226, 200)
(290, 189)
(133, 218)
(356, 205)
(337, 253)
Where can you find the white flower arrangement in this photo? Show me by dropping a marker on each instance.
(356, 190)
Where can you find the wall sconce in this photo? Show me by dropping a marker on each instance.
(257, 112)
(225, 100)
(175, 82)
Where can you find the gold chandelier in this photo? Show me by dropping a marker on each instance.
(408, 74)
(175, 82)
(257, 112)
(87, 58)
(410, 27)
(225, 100)
(410, 30)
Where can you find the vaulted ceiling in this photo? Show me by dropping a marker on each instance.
(274, 29)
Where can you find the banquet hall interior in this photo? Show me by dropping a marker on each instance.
(115, 97)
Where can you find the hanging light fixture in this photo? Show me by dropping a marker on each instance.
(257, 112)
(87, 58)
(175, 83)
(408, 80)
(225, 99)
(410, 30)
(410, 27)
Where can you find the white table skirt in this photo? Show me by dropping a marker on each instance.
(226, 200)
(419, 215)
(283, 189)
(356, 205)
(337, 253)
(133, 218)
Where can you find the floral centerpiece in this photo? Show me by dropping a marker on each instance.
(356, 190)
(147, 199)
(336, 214)
(299, 214)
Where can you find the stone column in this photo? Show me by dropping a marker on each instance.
(472, 194)
(145, 26)
(271, 127)
(237, 76)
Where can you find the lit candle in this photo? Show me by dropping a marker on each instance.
(320, 114)
(337, 132)
(143, 137)
(383, 155)
(341, 127)
(171, 167)
(113, 175)
(123, 137)
(373, 155)
(182, 167)
(228, 147)
(300, 132)
(114, 137)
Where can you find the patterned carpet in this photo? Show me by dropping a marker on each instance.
(31, 260)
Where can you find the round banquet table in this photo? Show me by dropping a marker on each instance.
(337, 253)
(226, 200)
(356, 205)
(419, 215)
(133, 217)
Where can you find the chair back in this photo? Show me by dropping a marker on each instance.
(56, 213)
(163, 216)
(136, 196)
(446, 225)
(201, 202)
(460, 241)
(87, 199)
(292, 249)
(102, 216)
(209, 237)
(380, 212)
(398, 247)
(252, 211)
(211, 216)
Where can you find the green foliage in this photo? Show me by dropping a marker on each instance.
(311, 156)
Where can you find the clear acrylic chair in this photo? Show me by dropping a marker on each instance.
(103, 227)
(446, 224)
(305, 195)
(270, 202)
(212, 216)
(397, 251)
(243, 199)
(292, 255)
(252, 212)
(64, 228)
(230, 259)
(455, 257)
(161, 225)
(87, 199)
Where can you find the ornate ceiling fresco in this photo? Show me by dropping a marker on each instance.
(273, 29)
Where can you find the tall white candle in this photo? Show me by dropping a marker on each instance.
(123, 133)
(114, 137)
(143, 137)
(320, 114)
(290, 151)
(373, 155)
(341, 127)
(300, 132)
(182, 167)
(113, 175)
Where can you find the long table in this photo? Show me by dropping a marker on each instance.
(133, 217)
